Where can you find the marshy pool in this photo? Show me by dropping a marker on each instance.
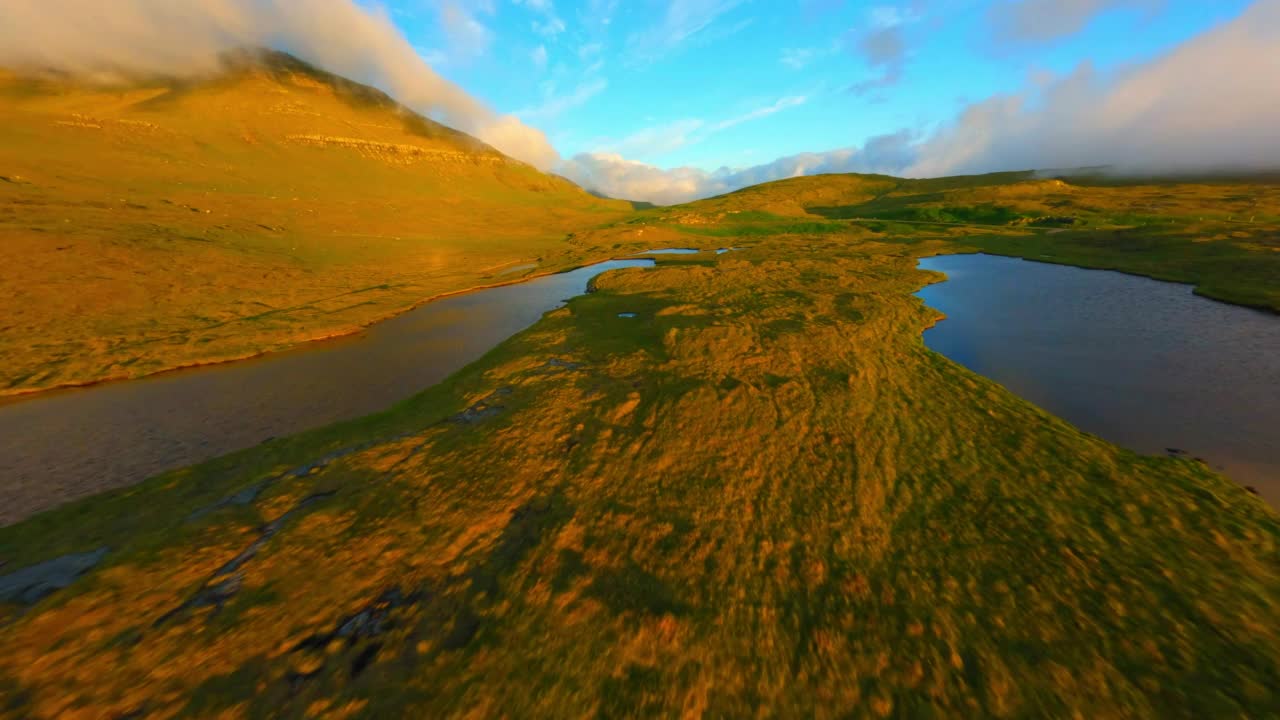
(1145, 364)
(68, 444)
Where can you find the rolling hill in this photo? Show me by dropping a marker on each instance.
(1221, 234)
(162, 223)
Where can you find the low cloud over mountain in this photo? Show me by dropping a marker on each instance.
(182, 38)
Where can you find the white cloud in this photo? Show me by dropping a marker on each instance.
(782, 104)
(1213, 102)
(539, 56)
(555, 105)
(550, 25)
(185, 38)
(682, 20)
(468, 37)
(615, 176)
(799, 58)
(655, 141)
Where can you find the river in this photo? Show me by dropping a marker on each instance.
(68, 444)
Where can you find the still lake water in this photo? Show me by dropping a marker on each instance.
(72, 443)
(1144, 364)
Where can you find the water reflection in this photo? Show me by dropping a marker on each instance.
(1145, 364)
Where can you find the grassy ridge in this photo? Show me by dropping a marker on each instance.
(168, 223)
(761, 492)
(1221, 235)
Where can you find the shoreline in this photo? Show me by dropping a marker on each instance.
(940, 316)
(10, 397)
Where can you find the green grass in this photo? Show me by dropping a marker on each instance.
(1220, 234)
(1220, 270)
(762, 492)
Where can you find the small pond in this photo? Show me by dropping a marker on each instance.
(1145, 364)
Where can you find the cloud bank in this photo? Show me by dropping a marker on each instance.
(1212, 103)
(615, 176)
(185, 37)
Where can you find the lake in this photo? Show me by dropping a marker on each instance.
(68, 444)
(1145, 364)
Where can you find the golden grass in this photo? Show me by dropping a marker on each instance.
(152, 228)
(763, 492)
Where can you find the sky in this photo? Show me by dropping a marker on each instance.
(710, 83)
(670, 100)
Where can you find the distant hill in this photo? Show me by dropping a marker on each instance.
(176, 221)
(1217, 232)
(635, 204)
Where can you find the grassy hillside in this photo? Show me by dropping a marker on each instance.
(1220, 234)
(762, 492)
(169, 223)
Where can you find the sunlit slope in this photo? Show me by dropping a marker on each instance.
(174, 223)
(1221, 234)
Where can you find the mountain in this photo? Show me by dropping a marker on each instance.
(166, 222)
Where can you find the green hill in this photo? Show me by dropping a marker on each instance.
(168, 222)
(1221, 234)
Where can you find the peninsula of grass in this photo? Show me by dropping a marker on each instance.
(761, 492)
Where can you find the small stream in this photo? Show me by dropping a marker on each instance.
(67, 444)
(1145, 364)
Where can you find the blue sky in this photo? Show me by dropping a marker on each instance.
(711, 83)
